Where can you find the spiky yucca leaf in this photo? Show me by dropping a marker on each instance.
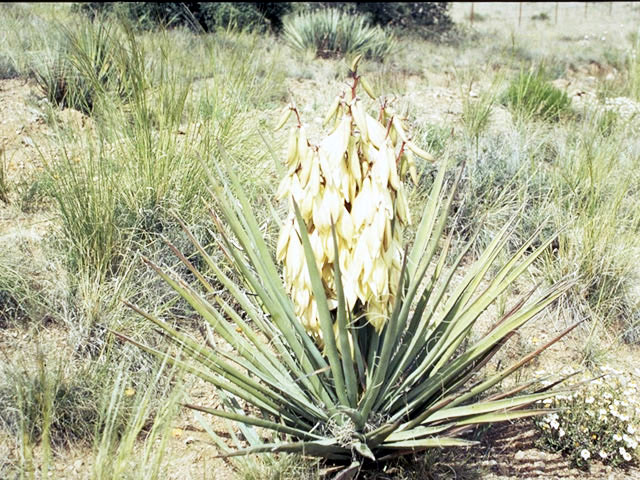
(406, 387)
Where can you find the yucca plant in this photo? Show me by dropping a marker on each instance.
(375, 370)
(329, 32)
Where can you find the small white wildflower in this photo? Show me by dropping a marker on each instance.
(547, 401)
(554, 424)
(625, 454)
(617, 437)
(607, 395)
(602, 412)
(631, 429)
(561, 432)
(602, 454)
(590, 413)
(585, 454)
(590, 400)
(631, 443)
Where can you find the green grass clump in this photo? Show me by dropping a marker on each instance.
(4, 180)
(116, 181)
(531, 96)
(48, 402)
(597, 207)
(330, 32)
(633, 69)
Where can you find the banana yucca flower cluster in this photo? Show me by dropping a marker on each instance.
(351, 180)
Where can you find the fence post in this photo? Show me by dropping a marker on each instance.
(520, 14)
(471, 14)
(556, 13)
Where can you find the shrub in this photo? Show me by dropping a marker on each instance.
(330, 32)
(243, 15)
(195, 15)
(530, 95)
(426, 18)
(383, 384)
(542, 16)
(600, 422)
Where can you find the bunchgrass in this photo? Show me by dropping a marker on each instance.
(594, 194)
(116, 183)
(531, 96)
(477, 110)
(4, 178)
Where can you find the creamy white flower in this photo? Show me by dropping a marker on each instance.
(602, 454)
(585, 454)
(561, 433)
(631, 429)
(554, 424)
(590, 400)
(617, 437)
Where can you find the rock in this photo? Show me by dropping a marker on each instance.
(520, 454)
